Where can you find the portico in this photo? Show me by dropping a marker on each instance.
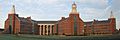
(46, 29)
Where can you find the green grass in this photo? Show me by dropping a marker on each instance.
(37, 37)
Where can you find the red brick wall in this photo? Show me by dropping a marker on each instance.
(15, 24)
(6, 30)
(66, 26)
(112, 24)
(106, 28)
(26, 26)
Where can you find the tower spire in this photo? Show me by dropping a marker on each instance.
(74, 10)
(12, 11)
(111, 15)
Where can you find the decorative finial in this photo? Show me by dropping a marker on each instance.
(111, 15)
(12, 11)
(74, 10)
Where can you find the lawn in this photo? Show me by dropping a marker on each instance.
(37, 37)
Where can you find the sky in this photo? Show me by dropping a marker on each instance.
(55, 9)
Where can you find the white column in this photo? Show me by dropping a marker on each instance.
(43, 29)
(47, 29)
(50, 29)
(40, 30)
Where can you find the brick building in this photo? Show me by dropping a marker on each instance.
(15, 24)
(100, 27)
(73, 25)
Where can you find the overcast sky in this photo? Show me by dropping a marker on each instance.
(55, 9)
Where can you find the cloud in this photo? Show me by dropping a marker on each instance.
(92, 13)
(40, 2)
(116, 5)
(0, 9)
(91, 10)
(48, 1)
(94, 3)
(100, 2)
(53, 8)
